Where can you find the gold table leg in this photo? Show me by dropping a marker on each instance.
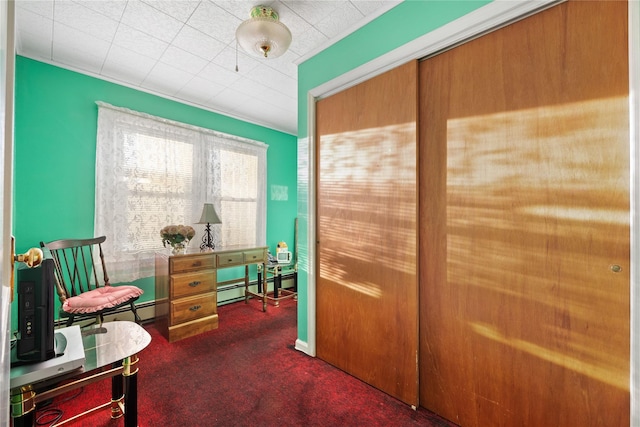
(23, 406)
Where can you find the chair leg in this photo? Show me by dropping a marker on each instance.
(135, 313)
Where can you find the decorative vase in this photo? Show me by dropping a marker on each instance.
(179, 248)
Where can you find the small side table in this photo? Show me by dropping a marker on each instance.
(276, 270)
(110, 351)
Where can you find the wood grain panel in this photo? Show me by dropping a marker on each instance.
(524, 215)
(185, 284)
(367, 230)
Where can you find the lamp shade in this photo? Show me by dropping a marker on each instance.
(263, 34)
(209, 215)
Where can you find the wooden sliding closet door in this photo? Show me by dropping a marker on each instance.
(367, 320)
(524, 201)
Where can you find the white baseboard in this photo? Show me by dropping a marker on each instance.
(303, 346)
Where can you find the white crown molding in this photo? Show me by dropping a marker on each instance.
(487, 18)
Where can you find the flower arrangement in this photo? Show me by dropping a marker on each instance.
(177, 236)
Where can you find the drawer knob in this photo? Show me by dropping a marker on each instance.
(195, 308)
(194, 283)
(196, 264)
(229, 260)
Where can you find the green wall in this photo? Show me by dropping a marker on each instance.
(55, 145)
(400, 25)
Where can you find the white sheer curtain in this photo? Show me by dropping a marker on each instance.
(152, 172)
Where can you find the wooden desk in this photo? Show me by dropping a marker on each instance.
(186, 288)
(109, 352)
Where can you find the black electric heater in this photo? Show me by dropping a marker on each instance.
(36, 335)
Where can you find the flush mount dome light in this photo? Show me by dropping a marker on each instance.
(263, 35)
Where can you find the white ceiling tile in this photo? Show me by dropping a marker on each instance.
(77, 59)
(214, 21)
(249, 87)
(227, 59)
(42, 8)
(200, 90)
(270, 78)
(68, 38)
(368, 7)
(137, 41)
(183, 60)
(111, 8)
(181, 10)
(307, 40)
(278, 100)
(229, 100)
(262, 93)
(151, 21)
(164, 78)
(218, 74)
(312, 11)
(75, 15)
(343, 16)
(286, 64)
(267, 112)
(34, 34)
(241, 9)
(198, 43)
(124, 76)
(30, 45)
(28, 20)
(127, 66)
(288, 17)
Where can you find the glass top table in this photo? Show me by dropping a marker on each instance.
(109, 350)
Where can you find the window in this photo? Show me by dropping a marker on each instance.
(152, 172)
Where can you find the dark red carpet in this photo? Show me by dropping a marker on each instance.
(245, 373)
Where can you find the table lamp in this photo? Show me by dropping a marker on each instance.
(209, 216)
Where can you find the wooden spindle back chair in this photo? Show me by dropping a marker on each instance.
(82, 293)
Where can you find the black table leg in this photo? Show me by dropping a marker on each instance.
(295, 280)
(130, 379)
(117, 394)
(277, 281)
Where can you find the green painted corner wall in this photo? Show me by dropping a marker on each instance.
(55, 147)
(407, 21)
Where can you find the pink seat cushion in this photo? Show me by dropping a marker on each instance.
(101, 298)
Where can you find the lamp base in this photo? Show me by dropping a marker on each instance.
(207, 240)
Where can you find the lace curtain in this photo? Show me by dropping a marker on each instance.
(152, 172)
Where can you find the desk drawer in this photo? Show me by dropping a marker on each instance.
(186, 284)
(259, 255)
(191, 308)
(183, 263)
(230, 258)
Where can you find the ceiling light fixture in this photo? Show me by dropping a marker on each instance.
(263, 34)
